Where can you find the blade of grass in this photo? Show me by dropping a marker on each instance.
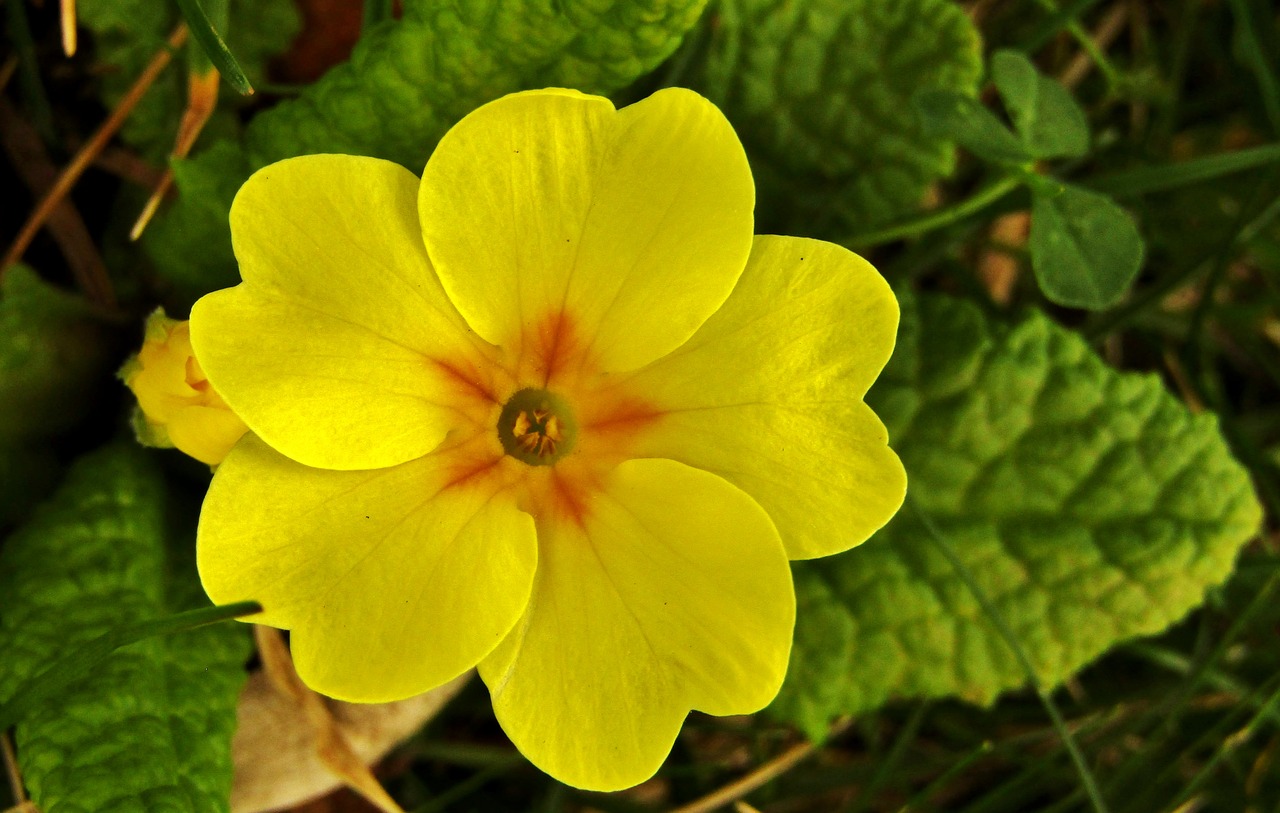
(1229, 745)
(1180, 664)
(1145, 180)
(215, 48)
(467, 787)
(960, 766)
(1167, 714)
(1200, 673)
(65, 670)
(1002, 627)
(1258, 61)
(469, 755)
(889, 765)
(1183, 28)
(19, 30)
(1214, 736)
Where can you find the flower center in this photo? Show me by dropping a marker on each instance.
(537, 427)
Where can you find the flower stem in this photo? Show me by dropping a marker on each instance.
(941, 218)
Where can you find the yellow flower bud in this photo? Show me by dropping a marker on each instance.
(177, 406)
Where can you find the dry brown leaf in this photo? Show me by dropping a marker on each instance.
(292, 745)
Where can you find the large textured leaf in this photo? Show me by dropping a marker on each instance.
(406, 83)
(820, 91)
(55, 355)
(151, 728)
(1090, 505)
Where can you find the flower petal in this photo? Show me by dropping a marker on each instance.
(392, 581)
(327, 349)
(205, 433)
(768, 394)
(632, 223)
(673, 594)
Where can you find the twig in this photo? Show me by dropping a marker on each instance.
(1195, 404)
(766, 773)
(90, 150)
(26, 152)
(1086, 42)
(11, 768)
(7, 70)
(202, 99)
(68, 9)
(1103, 36)
(128, 167)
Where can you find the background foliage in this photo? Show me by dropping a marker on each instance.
(1077, 203)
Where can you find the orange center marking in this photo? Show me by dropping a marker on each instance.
(546, 423)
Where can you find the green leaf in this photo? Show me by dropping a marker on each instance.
(1088, 503)
(191, 243)
(55, 354)
(1085, 249)
(27, 473)
(820, 92)
(56, 358)
(407, 82)
(1046, 116)
(150, 727)
(127, 33)
(204, 32)
(964, 120)
(67, 669)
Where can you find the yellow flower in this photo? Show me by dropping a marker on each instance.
(177, 407)
(552, 411)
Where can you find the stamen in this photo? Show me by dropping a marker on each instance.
(536, 427)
